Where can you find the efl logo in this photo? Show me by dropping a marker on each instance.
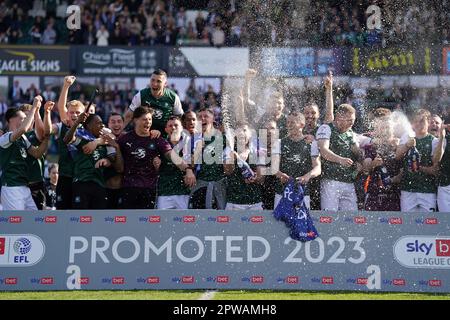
(360, 220)
(50, 219)
(361, 281)
(83, 280)
(257, 219)
(118, 280)
(435, 283)
(223, 219)
(327, 280)
(326, 220)
(152, 280)
(46, 280)
(86, 219)
(120, 219)
(2, 246)
(154, 219)
(399, 282)
(16, 219)
(443, 248)
(257, 279)
(188, 219)
(187, 279)
(222, 279)
(431, 221)
(11, 281)
(395, 221)
(292, 280)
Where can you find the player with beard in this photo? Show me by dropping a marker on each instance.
(112, 177)
(139, 151)
(164, 101)
(312, 115)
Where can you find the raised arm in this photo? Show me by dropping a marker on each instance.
(329, 112)
(62, 101)
(439, 153)
(70, 135)
(28, 122)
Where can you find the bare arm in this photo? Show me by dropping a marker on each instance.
(28, 122)
(62, 101)
(117, 160)
(38, 125)
(439, 153)
(38, 152)
(329, 112)
(70, 135)
(327, 154)
(402, 149)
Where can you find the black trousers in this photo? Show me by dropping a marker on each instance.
(137, 198)
(89, 195)
(113, 196)
(38, 193)
(64, 193)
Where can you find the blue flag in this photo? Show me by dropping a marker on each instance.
(293, 212)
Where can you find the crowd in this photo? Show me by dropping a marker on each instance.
(226, 22)
(157, 154)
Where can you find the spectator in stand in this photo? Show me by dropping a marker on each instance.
(35, 33)
(102, 36)
(49, 94)
(418, 185)
(15, 93)
(49, 34)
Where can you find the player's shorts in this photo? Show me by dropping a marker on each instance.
(337, 196)
(17, 198)
(172, 202)
(443, 198)
(278, 197)
(417, 202)
(234, 206)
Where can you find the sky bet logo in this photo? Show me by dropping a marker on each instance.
(253, 219)
(218, 279)
(423, 252)
(220, 219)
(14, 219)
(442, 247)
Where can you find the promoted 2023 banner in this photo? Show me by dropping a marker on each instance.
(202, 249)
